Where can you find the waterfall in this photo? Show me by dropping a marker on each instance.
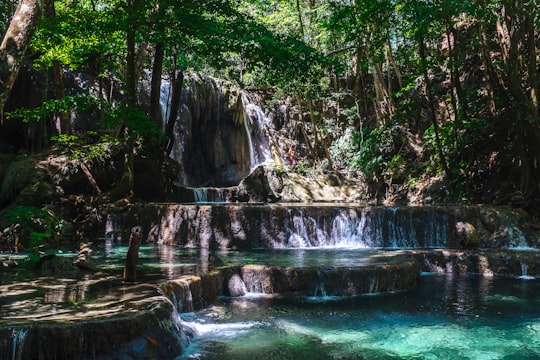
(364, 227)
(224, 226)
(256, 124)
(179, 293)
(200, 195)
(19, 337)
(320, 288)
(114, 227)
(220, 132)
(245, 227)
(165, 99)
(524, 270)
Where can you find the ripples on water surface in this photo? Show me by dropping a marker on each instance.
(168, 262)
(444, 317)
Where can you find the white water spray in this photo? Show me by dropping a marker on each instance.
(256, 124)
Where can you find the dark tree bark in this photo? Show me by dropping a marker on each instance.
(58, 78)
(176, 97)
(155, 86)
(429, 95)
(130, 270)
(15, 43)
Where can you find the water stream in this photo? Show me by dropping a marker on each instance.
(444, 317)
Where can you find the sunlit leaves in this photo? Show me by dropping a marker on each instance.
(79, 35)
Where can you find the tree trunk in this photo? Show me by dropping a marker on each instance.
(15, 43)
(155, 87)
(392, 60)
(303, 128)
(429, 95)
(516, 36)
(130, 269)
(360, 82)
(58, 79)
(532, 63)
(176, 97)
(322, 139)
(301, 23)
(492, 79)
(131, 61)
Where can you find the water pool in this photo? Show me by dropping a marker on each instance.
(169, 262)
(444, 317)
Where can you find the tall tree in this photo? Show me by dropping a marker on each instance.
(15, 43)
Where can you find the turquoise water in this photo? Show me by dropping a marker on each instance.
(169, 262)
(444, 317)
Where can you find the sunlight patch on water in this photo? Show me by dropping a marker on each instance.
(496, 321)
(418, 341)
(229, 330)
(442, 341)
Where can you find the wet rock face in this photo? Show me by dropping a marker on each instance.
(236, 286)
(148, 334)
(330, 281)
(483, 262)
(211, 141)
(467, 235)
(256, 188)
(190, 292)
(245, 227)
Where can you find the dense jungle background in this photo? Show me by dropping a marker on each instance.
(418, 101)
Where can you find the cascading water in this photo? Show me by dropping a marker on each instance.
(524, 270)
(300, 229)
(19, 337)
(256, 123)
(281, 226)
(219, 134)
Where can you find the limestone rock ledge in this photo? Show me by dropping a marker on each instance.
(150, 333)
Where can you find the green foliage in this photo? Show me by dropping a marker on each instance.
(377, 150)
(115, 116)
(303, 168)
(8, 8)
(85, 147)
(81, 35)
(380, 157)
(30, 261)
(135, 121)
(344, 147)
(64, 105)
(34, 226)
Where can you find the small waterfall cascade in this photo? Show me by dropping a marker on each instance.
(524, 270)
(257, 124)
(200, 195)
(320, 287)
(365, 228)
(18, 338)
(282, 226)
(114, 227)
(220, 132)
(224, 226)
(180, 295)
(210, 195)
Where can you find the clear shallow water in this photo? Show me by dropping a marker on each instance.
(444, 317)
(169, 262)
